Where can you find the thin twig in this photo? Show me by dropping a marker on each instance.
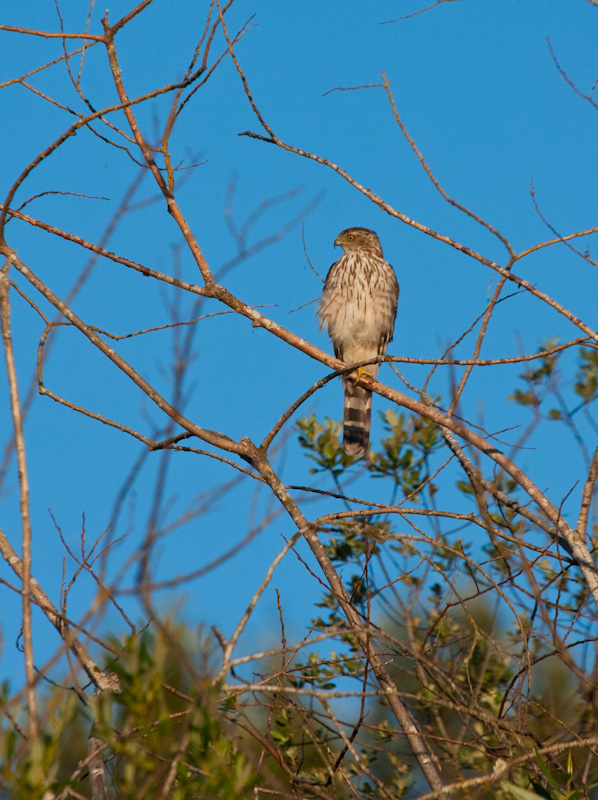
(587, 496)
(19, 438)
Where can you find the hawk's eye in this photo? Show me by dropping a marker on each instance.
(350, 238)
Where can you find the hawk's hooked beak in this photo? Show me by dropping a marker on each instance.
(337, 242)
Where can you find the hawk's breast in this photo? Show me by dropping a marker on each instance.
(359, 301)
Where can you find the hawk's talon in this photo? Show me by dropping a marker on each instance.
(360, 372)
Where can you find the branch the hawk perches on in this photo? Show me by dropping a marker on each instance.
(358, 306)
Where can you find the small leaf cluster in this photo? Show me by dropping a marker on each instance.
(586, 385)
(153, 722)
(28, 770)
(406, 448)
(538, 378)
(555, 784)
(323, 445)
(321, 672)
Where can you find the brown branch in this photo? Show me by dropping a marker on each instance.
(487, 362)
(454, 344)
(48, 35)
(381, 509)
(586, 497)
(430, 174)
(564, 75)
(101, 251)
(151, 444)
(558, 240)
(19, 439)
(478, 346)
(100, 679)
(75, 127)
(562, 239)
(376, 199)
(299, 402)
(254, 107)
(476, 477)
(421, 11)
(230, 644)
(177, 107)
(133, 13)
(502, 768)
(123, 207)
(44, 66)
(211, 437)
(147, 154)
(97, 768)
(48, 99)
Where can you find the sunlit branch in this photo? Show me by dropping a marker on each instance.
(19, 438)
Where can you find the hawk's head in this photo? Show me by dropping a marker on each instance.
(353, 239)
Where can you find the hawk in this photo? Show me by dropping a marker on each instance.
(358, 306)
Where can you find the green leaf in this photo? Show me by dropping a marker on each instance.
(546, 772)
(539, 789)
(517, 793)
(524, 398)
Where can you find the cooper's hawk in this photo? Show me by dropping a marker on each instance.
(358, 306)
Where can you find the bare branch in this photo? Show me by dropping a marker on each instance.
(50, 35)
(15, 407)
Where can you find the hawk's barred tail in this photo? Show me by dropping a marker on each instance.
(358, 410)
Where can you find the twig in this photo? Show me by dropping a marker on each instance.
(19, 438)
(586, 497)
(417, 13)
(49, 35)
(430, 174)
(478, 346)
(230, 645)
(101, 680)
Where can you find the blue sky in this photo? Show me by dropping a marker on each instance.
(479, 92)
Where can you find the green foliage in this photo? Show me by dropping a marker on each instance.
(27, 771)
(538, 379)
(356, 538)
(403, 456)
(556, 785)
(154, 721)
(586, 385)
(167, 721)
(442, 639)
(323, 672)
(323, 444)
(405, 451)
(544, 380)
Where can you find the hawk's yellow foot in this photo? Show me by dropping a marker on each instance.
(362, 371)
